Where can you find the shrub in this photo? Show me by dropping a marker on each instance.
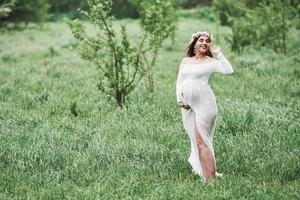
(30, 10)
(266, 25)
(120, 8)
(204, 12)
(158, 18)
(6, 7)
(66, 7)
(193, 3)
(229, 8)
(14, 11)
(121, 64)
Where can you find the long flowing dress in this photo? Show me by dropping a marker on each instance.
(192, 88)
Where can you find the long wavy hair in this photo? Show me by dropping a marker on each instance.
(190, 49)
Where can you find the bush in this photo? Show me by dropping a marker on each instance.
(123, 8)
(6, 7)
(157, 18)
(120, 8)
(30, 10)
(229, 8)
(204, 12)
(266, 25)
(12, 12)
(121, 64)
(193, 3)
(67, 7)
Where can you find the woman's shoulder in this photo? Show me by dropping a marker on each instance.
(186, 60)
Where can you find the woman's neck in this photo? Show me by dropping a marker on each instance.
(199, 56)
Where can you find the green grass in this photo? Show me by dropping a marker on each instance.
(61, 139)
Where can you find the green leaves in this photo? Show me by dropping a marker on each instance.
(77, 29)
(267, 24)
(122, 65)
(158, 18)
(25, 11)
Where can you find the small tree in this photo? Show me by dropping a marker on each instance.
(153, 13)
(121, 64)
(267, 25)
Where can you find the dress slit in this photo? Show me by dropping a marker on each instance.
(206, 137)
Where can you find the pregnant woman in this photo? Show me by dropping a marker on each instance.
(197, 101)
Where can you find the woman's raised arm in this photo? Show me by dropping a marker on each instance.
(221, 65)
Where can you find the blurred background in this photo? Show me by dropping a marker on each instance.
(264, 22)
(38, 10)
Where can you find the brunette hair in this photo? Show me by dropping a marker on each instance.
(190, 48)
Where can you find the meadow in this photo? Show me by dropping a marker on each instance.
(60, 138)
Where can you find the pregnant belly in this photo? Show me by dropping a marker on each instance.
(199, 95)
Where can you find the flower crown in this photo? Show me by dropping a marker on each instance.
(198, 34)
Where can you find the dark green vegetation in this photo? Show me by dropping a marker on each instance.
(23, 11)
(61, 139)
(262, 23)
(41, 10)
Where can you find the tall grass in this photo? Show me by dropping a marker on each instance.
(62, 139)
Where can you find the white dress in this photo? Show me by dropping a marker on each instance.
(192, 88)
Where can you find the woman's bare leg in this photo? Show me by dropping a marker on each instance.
(206, 157)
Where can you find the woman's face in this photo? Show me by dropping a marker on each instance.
(202, 44)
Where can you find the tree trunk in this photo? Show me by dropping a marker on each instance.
(150, 85)
(283, 33)
(120, 98)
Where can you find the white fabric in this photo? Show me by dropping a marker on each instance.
(192, 88)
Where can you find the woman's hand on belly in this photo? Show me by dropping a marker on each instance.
(182, 105)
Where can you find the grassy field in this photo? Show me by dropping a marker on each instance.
(61, 139)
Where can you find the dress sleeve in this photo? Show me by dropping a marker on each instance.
(178, 82)
(222, 65)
